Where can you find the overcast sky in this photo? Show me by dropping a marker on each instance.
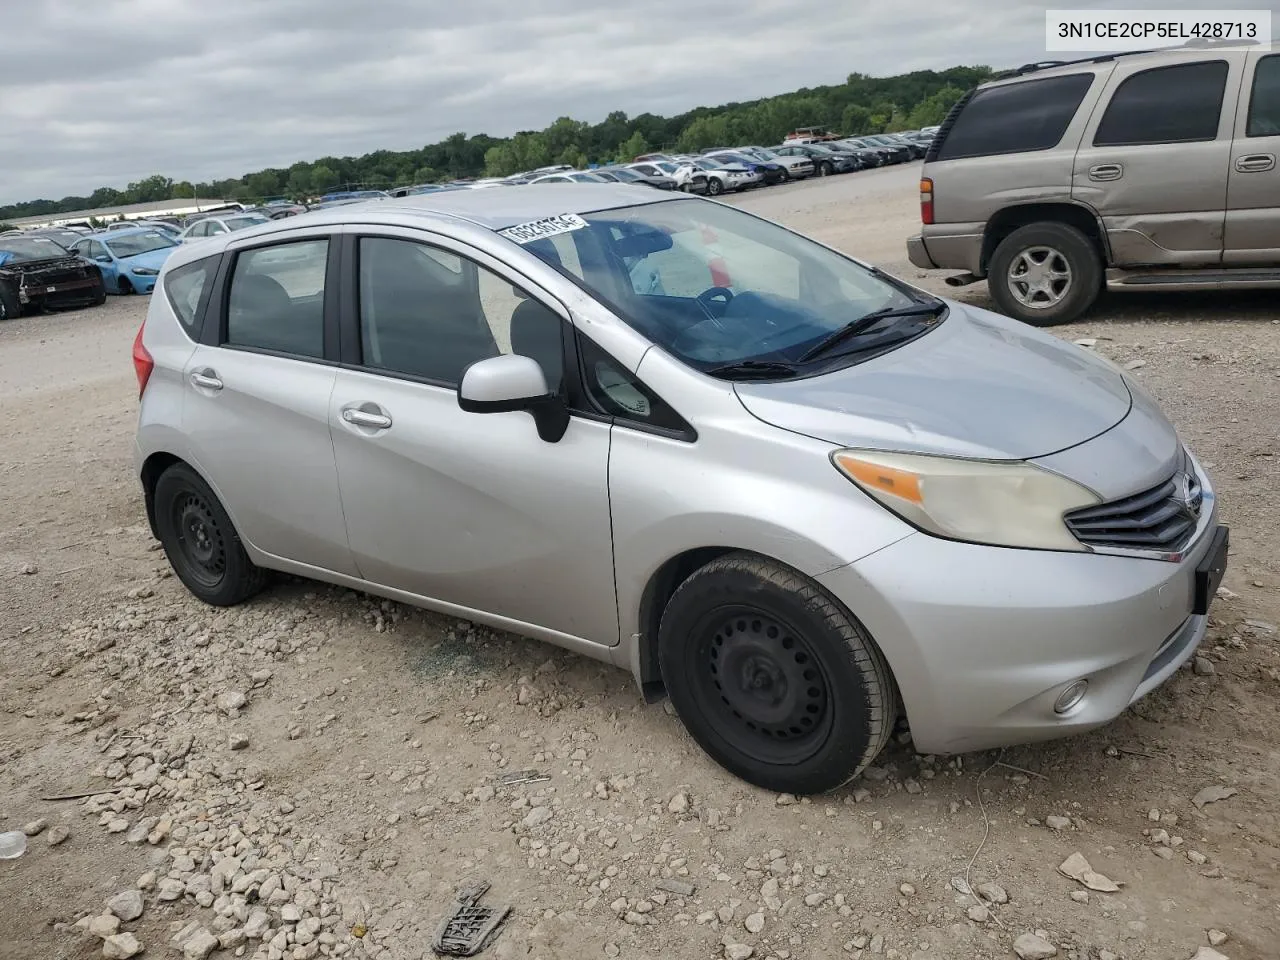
(101, 92)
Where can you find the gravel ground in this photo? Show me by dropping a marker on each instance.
(315, 773)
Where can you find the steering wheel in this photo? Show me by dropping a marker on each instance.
(714, 294)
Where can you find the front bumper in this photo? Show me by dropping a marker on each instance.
(79, 288)
(983, 640)
(142, 284)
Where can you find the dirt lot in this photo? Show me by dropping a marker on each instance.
(314, 773)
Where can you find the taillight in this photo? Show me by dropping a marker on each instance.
(926, 200)
(142, 362)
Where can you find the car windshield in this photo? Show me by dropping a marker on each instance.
(717, 287)
(134, 244)
(623, 174)
(667, 166)
(240, 223)
(13, 249)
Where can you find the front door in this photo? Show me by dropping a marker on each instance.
(1153, 160)
(472, 511)
(1253, 185)
(256, 409)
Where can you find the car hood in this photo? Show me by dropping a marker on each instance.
(979, 385)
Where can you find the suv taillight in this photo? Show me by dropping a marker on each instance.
(926, 200)
(142, 362)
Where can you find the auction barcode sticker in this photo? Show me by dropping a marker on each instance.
(547, 227)
(1089, 31)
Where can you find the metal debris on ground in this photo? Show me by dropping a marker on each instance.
(521, 776)
(471, 927)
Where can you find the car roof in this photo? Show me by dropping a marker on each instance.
(115, 234)
(457, 211)
(1057, 68)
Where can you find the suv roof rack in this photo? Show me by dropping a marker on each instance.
(1194, 44)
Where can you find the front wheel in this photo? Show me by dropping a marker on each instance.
(10, 305)
(715, 187)
(1045, 274)
(200, 541)
(772, 677)
(825, 169)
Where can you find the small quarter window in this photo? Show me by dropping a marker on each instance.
(1016, 118)
(185, 287)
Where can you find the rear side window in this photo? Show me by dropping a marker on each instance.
(1264, 103)
(186, 288)
(1016, 118)
(276, 300)
(1177, 104)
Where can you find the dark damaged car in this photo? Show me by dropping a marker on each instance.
(38, 273)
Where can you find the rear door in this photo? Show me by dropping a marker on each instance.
(1154, 157)
(257, 398)
(1253, 185)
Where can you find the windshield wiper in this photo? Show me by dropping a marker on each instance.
(865, 322)
(764, 369)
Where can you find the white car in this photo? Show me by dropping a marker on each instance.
(223, 223)
(797, 167)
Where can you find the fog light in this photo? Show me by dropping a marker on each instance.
(1071, 697)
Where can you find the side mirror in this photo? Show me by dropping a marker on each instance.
(512, 382)
(102, 258)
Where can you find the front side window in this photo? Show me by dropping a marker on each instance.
(276, 300)
(1264, 102)
(1016, 118)
(715, 286)
(1177, 104)
(429, 313)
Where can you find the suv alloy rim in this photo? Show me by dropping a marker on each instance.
(1039, 277)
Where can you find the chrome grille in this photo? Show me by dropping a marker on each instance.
(1162, 518)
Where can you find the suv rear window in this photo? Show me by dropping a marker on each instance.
(1176, 104)
(1016, 118)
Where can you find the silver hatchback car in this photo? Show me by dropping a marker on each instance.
(800, 497)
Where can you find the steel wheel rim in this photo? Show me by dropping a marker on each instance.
(201, 544)
(1040, 277)
(762, 685)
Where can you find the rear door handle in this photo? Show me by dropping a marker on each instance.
(1106, 171)
(206, 380)
(366, 418)
(1256, 163)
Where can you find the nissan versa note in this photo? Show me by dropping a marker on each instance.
(799, 496)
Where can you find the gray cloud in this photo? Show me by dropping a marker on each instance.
(101, 92)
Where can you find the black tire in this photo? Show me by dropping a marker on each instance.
(99, 293)
(773, 678)
(10, 305)
(200, 541)
(1056, 246)
(715, 186)
(786, 176)
(825, 169)
(124, 286)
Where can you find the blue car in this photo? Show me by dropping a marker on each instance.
(130, 260)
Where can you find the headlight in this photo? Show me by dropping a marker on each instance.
(145, 271)
(1009, 504)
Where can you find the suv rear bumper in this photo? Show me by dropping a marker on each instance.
(950, 246)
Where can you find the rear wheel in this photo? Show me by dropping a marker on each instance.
(200, 541)
(773, 678)
(1045, 274)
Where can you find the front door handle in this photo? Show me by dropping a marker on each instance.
(1106, 171)
(206, 380)
(365, 418)
(1256, 163)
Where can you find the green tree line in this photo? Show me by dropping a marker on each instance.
(860, 105)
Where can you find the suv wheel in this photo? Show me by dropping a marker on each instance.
(198, 538)
(1045, 274)
(772, 677)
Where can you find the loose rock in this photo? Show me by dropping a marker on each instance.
(1217, 938)
(1032, 947)
(104, 926)
(121, 946)
(127, 905)
(199, 945)
(979, 913)
(993, 892)
(35, 827)
(1058, 823)
(1204, 667)
(57, 835)
(738, 951)
(754, 922)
